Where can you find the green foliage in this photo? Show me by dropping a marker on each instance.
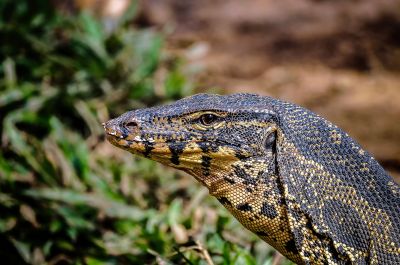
(67, 196)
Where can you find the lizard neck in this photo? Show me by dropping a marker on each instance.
(255, 198)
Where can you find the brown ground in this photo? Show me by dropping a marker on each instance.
(339, 58)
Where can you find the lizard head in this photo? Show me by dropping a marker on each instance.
(262, 159)
(202, 135)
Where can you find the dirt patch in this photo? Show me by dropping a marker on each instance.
(360, 35)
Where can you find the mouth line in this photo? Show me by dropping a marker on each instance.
(115, 134)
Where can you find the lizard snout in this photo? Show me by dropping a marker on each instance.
(113, 128)
(121, 127)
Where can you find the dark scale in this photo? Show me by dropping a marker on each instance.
(206, 163)
(268, 210)
(224, 201)
(261, 233)
(244, 207)
(147, 149)
(230, 180)
(241, 173)
(291, 246)
(176, 149)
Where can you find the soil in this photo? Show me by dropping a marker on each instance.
(340, 59)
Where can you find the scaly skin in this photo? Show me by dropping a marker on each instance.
(296, 180)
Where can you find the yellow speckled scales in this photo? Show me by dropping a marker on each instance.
(293, 178)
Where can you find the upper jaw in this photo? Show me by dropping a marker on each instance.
(130, 139)
(116, 134)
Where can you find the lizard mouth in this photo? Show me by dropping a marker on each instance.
(141, 143)
(178, 153)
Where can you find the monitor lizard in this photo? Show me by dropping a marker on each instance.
(288, 175)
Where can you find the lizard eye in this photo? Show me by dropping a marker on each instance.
(208, 119)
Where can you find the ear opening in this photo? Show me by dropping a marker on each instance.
(270, 141)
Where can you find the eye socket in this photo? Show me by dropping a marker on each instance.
(208, 119)
(131, 125)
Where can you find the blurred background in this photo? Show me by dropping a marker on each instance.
(69, 197)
